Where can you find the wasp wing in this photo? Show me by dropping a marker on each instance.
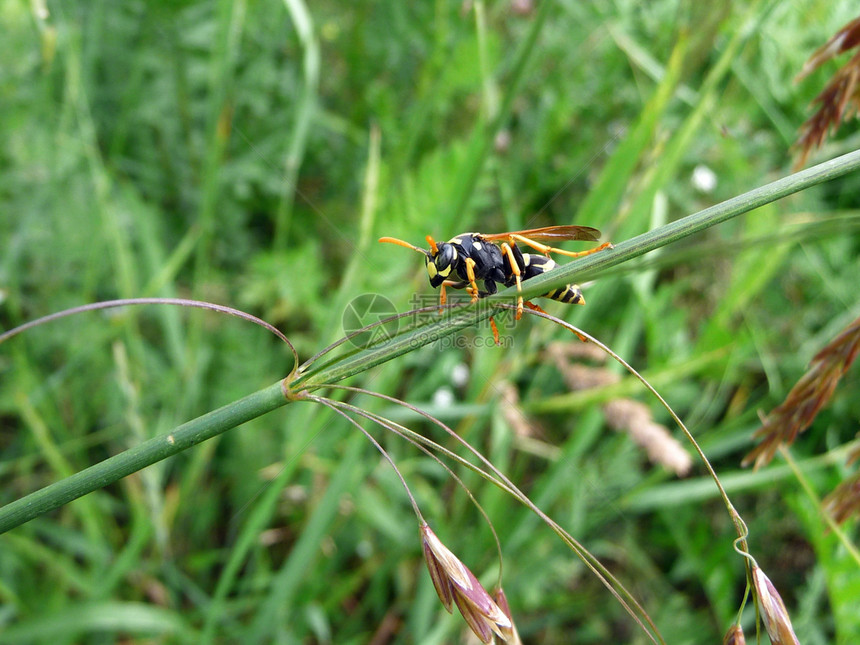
(550, 234)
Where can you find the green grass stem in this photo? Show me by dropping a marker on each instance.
(582, 269)
(591, 266)
(147, 453)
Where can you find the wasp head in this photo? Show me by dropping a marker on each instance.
(441, 263)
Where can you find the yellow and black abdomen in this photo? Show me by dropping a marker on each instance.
(535, 265)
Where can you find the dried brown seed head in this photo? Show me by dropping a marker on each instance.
(776, 619)
(735, 636)
(848, 37)
(502, 601)
(453, 581)
(840, 97)
(807, 397)
(844, 501)
(634, 418)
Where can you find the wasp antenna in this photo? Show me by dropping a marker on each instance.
(432, 243)
(394, 240)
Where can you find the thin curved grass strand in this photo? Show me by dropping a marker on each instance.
(412, 438)
(591, 562)
(126, 302)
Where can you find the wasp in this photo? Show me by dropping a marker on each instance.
(497, 259)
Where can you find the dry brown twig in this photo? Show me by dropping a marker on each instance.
(512, 412)
(624, 415)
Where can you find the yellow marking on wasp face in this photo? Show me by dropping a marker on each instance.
(431, 269)
(444, 272)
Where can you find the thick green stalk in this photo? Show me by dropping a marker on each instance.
(590, 266)
(580, 269)
(134, 459)
(363, 360)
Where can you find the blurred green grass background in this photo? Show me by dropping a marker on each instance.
(226, 151)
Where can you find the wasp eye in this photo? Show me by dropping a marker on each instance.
(445, 257)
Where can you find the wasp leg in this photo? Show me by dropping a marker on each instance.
(546, 250)
(442, 298)
(534, 307)
(475, 292)
(473, 284)
(515, 269)
(495, 331)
